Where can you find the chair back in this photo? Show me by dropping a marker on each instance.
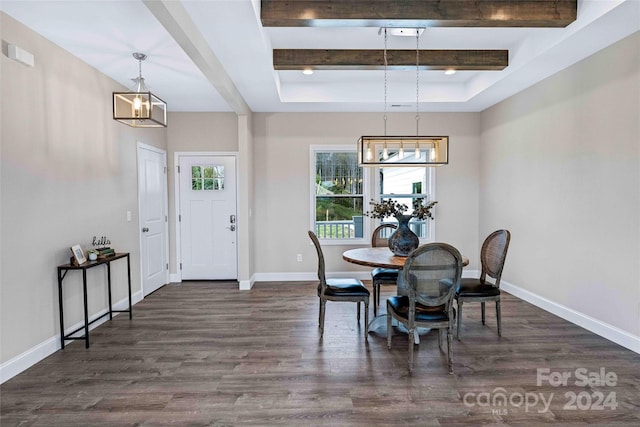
(321, 276)
(493, 254)
(431, 275)
(380, 236)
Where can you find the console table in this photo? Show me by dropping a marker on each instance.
(62, 272)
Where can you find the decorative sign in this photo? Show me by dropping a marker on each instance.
(102, 241)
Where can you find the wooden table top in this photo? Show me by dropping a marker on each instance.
(379, 257)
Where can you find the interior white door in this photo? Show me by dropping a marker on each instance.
(152, 200)
(208, 227)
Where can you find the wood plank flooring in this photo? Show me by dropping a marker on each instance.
(206, 354)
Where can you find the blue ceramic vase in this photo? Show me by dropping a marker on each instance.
(403, 240)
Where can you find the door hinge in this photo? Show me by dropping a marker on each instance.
(180, 266)
(179, 218)
(165, 218)
(167, 266)
(178, 169)
(165, 170)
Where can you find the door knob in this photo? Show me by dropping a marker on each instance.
(145, 229)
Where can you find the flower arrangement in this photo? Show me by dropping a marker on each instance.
(388, 208)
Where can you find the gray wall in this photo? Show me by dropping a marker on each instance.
(195, 132)
(560, 168)
(68, 174)
(282, 176)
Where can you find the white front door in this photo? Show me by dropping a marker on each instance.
(208, 227)
(152, 201)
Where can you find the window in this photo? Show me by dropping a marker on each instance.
(207, 177)
(338, 194)
(404, 185)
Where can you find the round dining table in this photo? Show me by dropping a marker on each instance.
(379, 257)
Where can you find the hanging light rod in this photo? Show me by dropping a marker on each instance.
(139, 108)
(394, 151)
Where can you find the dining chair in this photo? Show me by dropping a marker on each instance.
(426, 287)
(382, 276)
(492, 256)
(339, 289)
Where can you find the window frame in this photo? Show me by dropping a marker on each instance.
(366, 194)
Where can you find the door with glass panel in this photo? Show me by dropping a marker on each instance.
(207, 217)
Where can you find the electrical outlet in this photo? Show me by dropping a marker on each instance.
(299, 258)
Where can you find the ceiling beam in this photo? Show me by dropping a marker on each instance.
(418, 13)
(176, 20)
(355, 59)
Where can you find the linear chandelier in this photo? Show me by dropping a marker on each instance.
(394, 151)
(140, 108)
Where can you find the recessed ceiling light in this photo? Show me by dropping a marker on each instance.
(450, 71)
(307, 71)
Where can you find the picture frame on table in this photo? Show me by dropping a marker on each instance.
(78, 254)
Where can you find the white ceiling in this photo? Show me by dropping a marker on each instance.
(105, 33)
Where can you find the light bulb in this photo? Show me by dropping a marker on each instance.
(401, 153)
(369, 153)
(433, 154)
(385, 153)
(137, 104)
(417, 153)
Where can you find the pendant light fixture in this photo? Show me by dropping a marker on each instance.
(140, 108)
(390, 151)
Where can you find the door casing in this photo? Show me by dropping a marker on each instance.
(177, 237)
(142, 146)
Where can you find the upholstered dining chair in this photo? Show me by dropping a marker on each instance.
(351, 290)
(429, 280)
(492, 256)
(382, 276)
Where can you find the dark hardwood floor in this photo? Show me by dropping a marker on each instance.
(204, 353)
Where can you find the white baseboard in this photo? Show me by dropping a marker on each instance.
(175, 278)
(596, 326)
(246, 285)
(22, 362)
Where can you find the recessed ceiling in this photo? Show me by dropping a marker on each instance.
(105, 34)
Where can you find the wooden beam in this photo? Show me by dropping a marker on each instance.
(418, 13)
(354, 59)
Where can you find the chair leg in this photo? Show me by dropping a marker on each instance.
(322, 309)
(388, 329)
(499, 317)
(411, 344)
(482, 309)
(459, 316)
(319, 312)
(449, 351)
(376, 287)
(366, 320)
(358, 312)
(440, 339)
